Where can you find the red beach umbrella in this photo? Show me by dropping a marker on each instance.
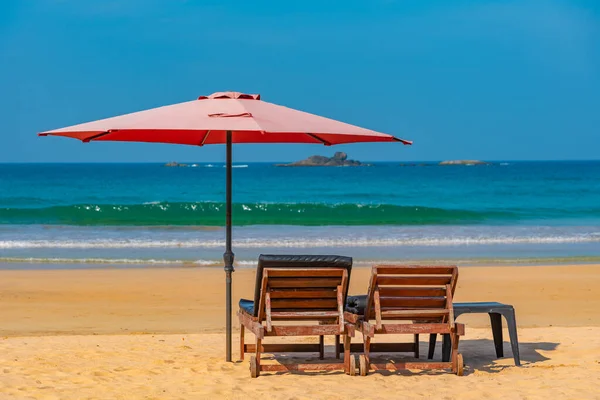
(223, 118)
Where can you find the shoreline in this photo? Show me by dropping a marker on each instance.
(10, 263)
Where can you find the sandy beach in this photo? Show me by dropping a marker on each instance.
(147, 146)
(157, 334)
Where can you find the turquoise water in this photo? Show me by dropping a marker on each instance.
(148, 213)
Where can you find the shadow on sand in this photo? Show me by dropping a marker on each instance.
(479, 355)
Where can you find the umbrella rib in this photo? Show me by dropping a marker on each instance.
(94, 137)
(325, 142)
(204, 138)
(404, 142)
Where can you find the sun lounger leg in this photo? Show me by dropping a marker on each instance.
(337, 347)
(364, 359)
(446, 347)
(242, 350)
(321, 347)
(417, 345)
(432, 340)
(256, 357)
(367, 340)
(514, 340)
(454, 355)
(496, 320)
(347, 356)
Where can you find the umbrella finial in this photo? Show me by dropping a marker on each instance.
(231, 95)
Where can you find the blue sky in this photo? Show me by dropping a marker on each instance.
(463, 79)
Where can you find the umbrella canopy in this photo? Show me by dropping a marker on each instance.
(223, 118)
(207, 120)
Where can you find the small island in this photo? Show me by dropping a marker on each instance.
(339, 159)
(175, 164)
(464, 162)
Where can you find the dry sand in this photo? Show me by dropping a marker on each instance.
(157, 333)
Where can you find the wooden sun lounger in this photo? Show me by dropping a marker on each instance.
(408, 300)
(308, 295)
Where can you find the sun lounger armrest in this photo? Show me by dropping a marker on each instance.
(366, 328)
(356, 322)
(251, 324)
(351, 318)
(350, 329)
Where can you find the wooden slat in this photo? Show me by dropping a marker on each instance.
(414, 313)
(392, 308)
(340, 304)
(413, 280)
(450, 306)
(415, 316)
(377, 306)
(454, 280)
(408, 308)
(421, 302)
(386, 291)
(304, 314)
(268, 310)
(306, 330)
(370, 294)
(304, 310)
(302, 367)
(400, 365)
(261, 303)
(305, 272)
(284, 348)
(303, 294)
(303, 303)
(415, 269)
(304, 282)
(415, 328)
(382, 347)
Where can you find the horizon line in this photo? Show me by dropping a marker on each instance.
(274, 162)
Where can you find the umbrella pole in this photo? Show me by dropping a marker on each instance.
(228, 256)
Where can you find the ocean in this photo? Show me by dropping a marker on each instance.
(137, 215)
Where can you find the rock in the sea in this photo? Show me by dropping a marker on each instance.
(175, 164)
(339, 159)
(464, 162)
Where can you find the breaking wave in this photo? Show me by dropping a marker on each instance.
(294, 242)
(212, 214)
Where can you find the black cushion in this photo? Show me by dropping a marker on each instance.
(356, 304)
(295, 261)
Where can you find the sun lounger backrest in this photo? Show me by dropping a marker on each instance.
(303, 294)
(411, 292)
(273, 261)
